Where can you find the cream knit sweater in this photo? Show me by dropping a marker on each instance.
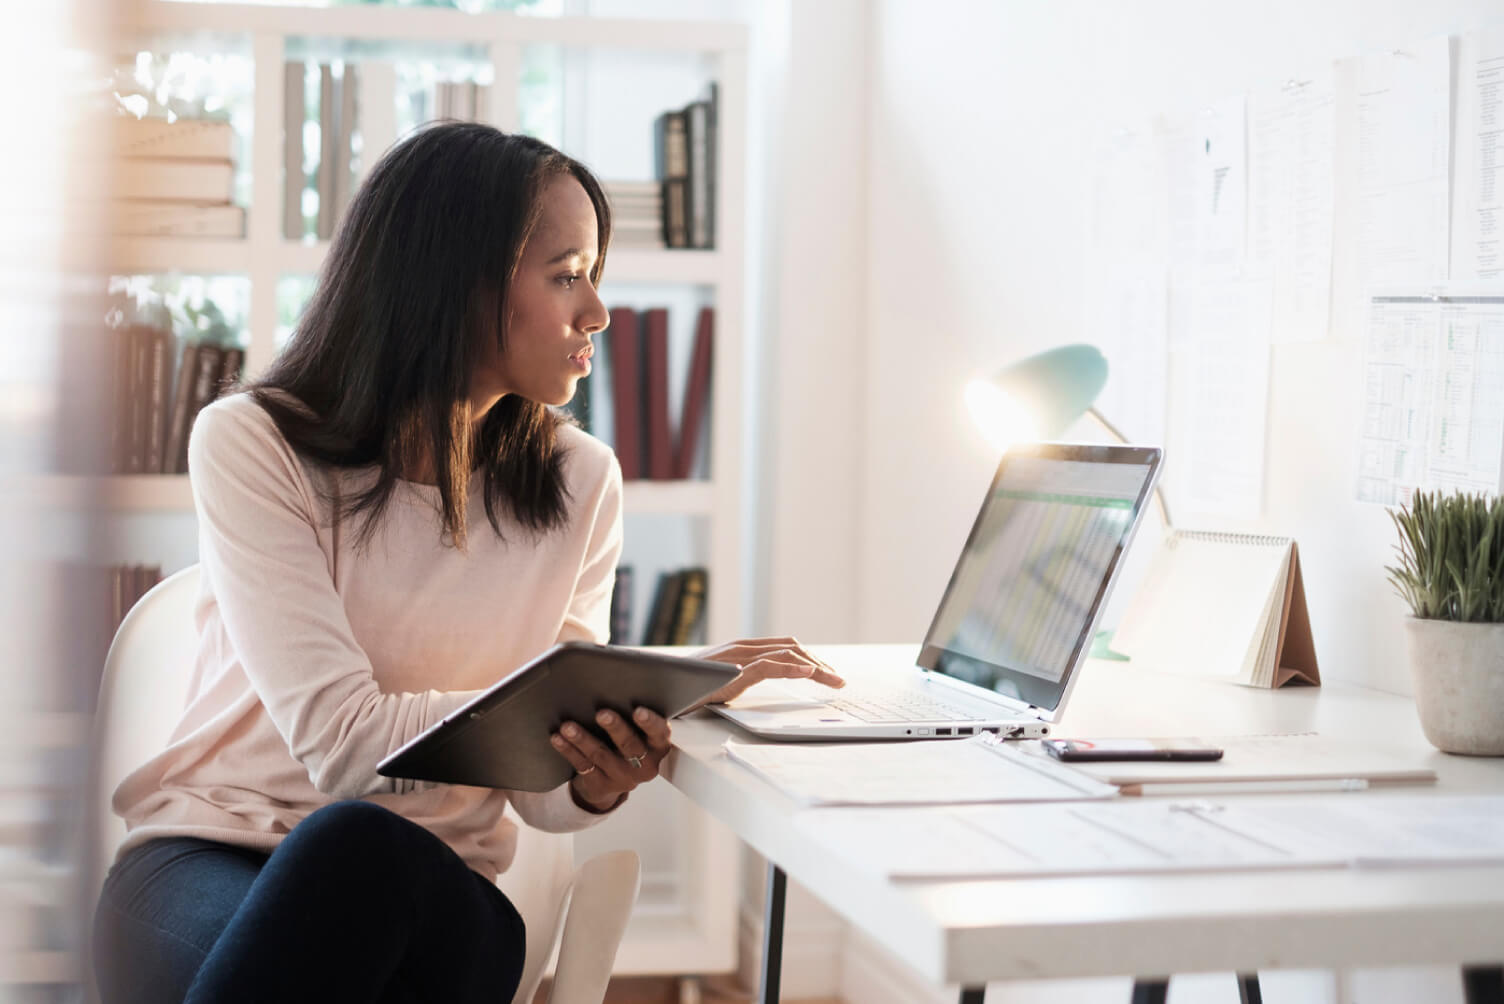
(317, 658)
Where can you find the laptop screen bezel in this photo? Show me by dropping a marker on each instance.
(1044, 698)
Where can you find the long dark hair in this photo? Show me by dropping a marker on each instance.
(416, 278)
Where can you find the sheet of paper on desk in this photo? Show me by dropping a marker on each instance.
(980, 769)
(1305, 757)
(1390, 831)
(1163, 835)
(1008, 841)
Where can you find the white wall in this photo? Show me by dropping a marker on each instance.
(980, 117)
(812, 288)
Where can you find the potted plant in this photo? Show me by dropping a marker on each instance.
(1451, 573)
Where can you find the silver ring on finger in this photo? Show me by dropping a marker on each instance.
(636, 761)
(587, 770)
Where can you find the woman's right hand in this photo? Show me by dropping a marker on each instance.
(766, 659)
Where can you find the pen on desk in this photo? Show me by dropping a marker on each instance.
(1247, 787)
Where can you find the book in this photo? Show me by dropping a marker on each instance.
(689, 612)
(671, 167)
(698, 198)
(1227, 605)
(375, 112)
(294, 112)
(138, 380)
(348, 86)
(660, 627)
(671, 145)
(123, 349)
(694, 417)
(480, 103)
(660, 439)
(676, 213)
(175, 455)
(174, 179)
(621, 606)
(201, 139)
(328, 141)
(160, 218)
(156, 391)
(626, 391)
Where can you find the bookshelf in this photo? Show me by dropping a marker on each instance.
(264, 257)
(687, 912)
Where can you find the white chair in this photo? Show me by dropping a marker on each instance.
(144, 688)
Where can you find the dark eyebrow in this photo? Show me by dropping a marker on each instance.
(565, 255)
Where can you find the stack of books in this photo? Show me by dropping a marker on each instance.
(632, 360)
(677, 616)
(462, 100)
(128, 583)
(684, 152)
(175, 178)
(154, 413)
(331, 172)
(636, 214)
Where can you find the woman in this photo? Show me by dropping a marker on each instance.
(390, 520)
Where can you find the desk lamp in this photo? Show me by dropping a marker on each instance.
(1039, 397)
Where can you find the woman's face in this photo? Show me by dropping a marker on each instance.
(554, 309)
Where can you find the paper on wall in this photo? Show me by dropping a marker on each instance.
(1433, 392)
(1218, 161)
(1404, 141)
(1478, 200)
(1291, 139)
(1224, 383)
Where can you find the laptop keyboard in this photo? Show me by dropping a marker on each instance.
(900, 708)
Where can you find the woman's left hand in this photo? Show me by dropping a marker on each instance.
(603, 774)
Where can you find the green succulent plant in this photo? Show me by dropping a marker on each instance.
(1451, 553)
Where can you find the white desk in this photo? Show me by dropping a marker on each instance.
(974, 932)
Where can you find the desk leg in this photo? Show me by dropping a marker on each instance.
(973, 995)
(1248, 989)
(1483, 984)
(772, 934)
(1150, 991)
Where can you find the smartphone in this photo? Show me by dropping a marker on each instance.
(1131, 749)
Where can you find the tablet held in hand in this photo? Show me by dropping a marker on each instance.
(501, 739)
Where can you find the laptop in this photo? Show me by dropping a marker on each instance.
(1015, 622)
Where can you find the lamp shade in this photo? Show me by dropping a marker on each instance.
(1038, 397)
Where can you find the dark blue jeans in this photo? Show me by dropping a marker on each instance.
(356, 904)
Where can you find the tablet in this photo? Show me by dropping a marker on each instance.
(500, 739)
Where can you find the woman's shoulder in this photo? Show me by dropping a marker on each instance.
(236, 437)
(237, 418)
(587, 459)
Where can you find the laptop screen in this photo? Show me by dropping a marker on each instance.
(1026, 594)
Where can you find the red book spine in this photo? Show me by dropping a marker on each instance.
(626, 389)
(660, 435)
(696, 395)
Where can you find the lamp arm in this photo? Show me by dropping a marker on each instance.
(1116, 433)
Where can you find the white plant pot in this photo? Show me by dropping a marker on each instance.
(1458, 669)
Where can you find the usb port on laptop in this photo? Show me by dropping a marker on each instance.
(942, 732)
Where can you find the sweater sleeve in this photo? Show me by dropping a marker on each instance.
(587, 619)
(260, 555)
